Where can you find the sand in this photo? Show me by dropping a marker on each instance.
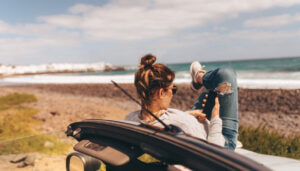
(60, 105)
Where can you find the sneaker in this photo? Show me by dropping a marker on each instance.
(195, 69)
(239, 144)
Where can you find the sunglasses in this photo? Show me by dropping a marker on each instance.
(174, 89)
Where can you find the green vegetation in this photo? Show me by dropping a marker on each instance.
(269, 142)
(17, 121)
(41, 143)
(17, 124)
(15, 99)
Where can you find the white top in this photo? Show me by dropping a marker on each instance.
(209, 130)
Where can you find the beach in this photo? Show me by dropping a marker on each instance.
(61, 104)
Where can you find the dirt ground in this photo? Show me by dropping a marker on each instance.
(60, 105)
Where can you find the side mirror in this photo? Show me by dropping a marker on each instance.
(81, 162)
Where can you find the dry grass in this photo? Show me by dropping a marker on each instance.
(17, 124)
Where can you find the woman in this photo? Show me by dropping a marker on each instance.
(154, 84)
(223, 81)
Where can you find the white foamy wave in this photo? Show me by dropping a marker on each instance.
(67, 79)
(86, 79)
(183, 75)
(281, 75)
(48, 68)
(268, 84)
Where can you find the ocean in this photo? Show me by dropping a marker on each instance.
(263, 73)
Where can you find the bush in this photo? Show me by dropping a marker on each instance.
(15, 99)
(48, 144)
(17, 122)
(269, 142)
(17, 128)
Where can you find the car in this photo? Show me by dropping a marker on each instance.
(120, 144)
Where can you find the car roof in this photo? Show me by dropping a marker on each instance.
(168, 146)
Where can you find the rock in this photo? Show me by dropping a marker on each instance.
(48, 144)
(19, 158)
(21, 165)
(26, 160)
(109, 68)
(41, 118)
(53, 113)
(30, 159)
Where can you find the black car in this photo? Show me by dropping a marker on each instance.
(119, 145)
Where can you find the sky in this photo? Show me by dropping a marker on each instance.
(121, 31)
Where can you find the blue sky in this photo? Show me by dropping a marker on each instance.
(121, 31)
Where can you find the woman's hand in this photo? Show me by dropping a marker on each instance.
(200, 116)
(215, 113)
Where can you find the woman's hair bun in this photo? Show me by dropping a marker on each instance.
(148, 60)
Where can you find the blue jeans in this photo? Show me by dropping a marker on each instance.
(228, 99)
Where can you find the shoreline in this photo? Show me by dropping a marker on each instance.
(62, 79)
(242, 84)
(106, 69)
(280, 81)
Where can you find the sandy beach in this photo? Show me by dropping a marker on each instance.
(62, 104)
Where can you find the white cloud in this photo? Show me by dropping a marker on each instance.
(32, 39)
(264, 35)
(137, 20)
(29, 46)
(129, 20)
(4, 27)
(273, 21)
(80, 8)
(257, 35)
(26, 29)
(68, 21)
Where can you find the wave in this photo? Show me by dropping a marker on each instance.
(254, 81)
(57, 68)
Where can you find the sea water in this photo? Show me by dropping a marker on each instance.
(265, 73)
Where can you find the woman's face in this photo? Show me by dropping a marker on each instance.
(166, 96)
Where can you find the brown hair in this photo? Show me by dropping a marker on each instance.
(150, 77)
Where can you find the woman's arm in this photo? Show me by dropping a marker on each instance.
(215, 127)
(198, 114)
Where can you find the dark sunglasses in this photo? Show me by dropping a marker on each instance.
(174, 89)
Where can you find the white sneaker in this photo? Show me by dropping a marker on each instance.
(239, 144)
(195, 69)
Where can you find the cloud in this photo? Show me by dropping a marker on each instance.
(26, 29)
(159, 21)
(246, 35)
(140, 20)
(80, 8)
(32, 39)
(29, 46)
(273, 21)
(4, 27)
(129, 20)
(264, 35)
(67, 21)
